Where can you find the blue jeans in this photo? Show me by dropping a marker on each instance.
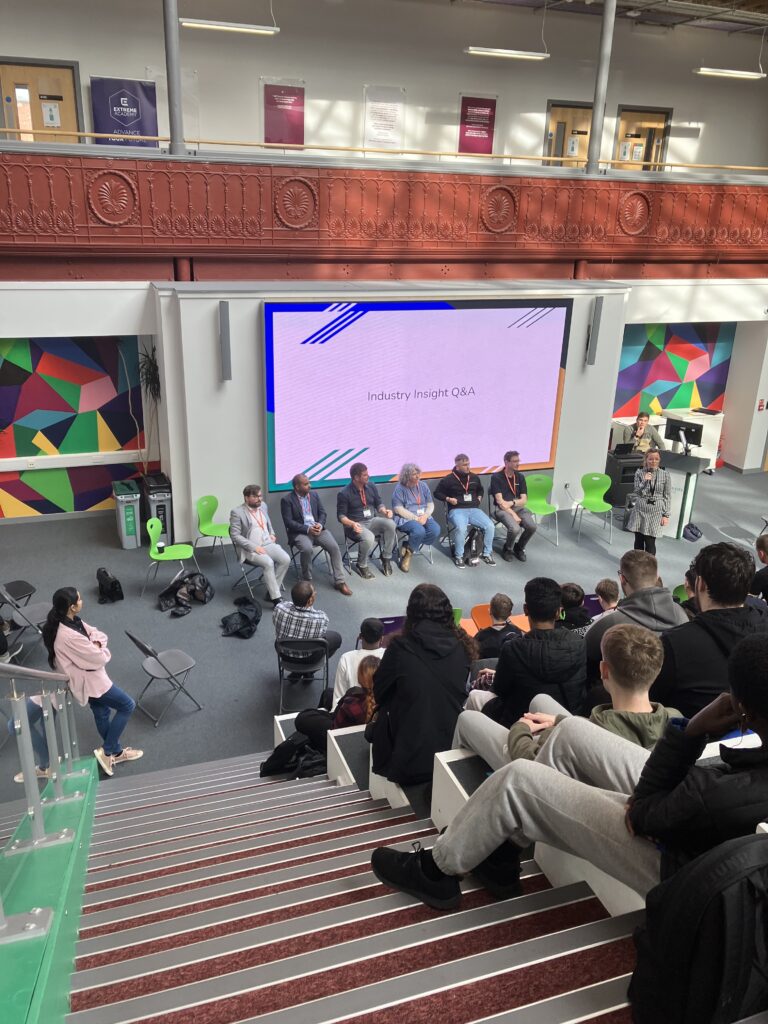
(37, 733)
(122, 704)
(418, 534)
(460, 519)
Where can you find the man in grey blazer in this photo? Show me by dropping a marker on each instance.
(251, 531)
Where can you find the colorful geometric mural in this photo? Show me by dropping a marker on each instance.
(66, 396)
(673, 366)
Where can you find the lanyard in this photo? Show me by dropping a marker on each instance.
(512, 483)
(465, 489)
(363, 498)
(415, 496)
(259, 517)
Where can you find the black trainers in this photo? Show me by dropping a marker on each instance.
(499, 873)
(508, 555)
(386, 566)
(459, 563)
(488, 559)
(364, 571)
(519, 554)
(404, 872)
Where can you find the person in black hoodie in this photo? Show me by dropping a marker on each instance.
(544, 660)
(695, 668)
(575, 615)
(635, 814)
(420, 687)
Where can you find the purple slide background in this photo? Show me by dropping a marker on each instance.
(322, 390)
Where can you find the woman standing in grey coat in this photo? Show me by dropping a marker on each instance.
(653, 493)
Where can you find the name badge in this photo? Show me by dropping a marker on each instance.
(419, 511)
(367, 513)
(467, 498)
(309, 520)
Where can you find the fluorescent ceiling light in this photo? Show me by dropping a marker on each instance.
(492, 51)
(229, 26)
(728, 73)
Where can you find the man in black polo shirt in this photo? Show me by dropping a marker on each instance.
(366, 519)
(510, 496)
(462, 493)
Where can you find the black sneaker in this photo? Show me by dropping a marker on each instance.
(459, 563)
(404, 872)
(508, 555)
(488, 559)
(519, 555)
(499, 873)
(386, 566)
(364, 571)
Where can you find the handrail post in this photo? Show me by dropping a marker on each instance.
(68, 733)
(72, 725)
(54, 762)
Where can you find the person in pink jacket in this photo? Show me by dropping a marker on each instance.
(81, 652)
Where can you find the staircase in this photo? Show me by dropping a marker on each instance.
(213, 896)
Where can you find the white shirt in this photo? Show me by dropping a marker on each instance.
(346, 671)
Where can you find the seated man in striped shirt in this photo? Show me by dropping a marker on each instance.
(298, 619)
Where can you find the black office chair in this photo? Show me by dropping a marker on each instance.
(301, 657)
(173, 666)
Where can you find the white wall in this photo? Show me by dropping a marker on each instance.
(339, 45)
(745, 426)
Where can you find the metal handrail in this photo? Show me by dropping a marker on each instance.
(21, 671)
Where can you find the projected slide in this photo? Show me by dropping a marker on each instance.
(391, 382)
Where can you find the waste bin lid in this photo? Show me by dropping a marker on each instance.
(125, 489)
(156, 482)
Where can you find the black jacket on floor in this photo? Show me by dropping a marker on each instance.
(551, 661)
(421, 685)
(695, 667)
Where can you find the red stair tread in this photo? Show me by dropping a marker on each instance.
(325, 983)
(205, 862)
(248, 873)
(257, 833)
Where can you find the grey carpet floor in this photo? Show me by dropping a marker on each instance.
(236, 680)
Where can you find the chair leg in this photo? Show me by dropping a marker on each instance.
(194, 559)
(152, 565)
(557, 531)
(581, 516)
(223, 551)
(610, 521)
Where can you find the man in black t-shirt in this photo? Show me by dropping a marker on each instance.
(759, 584)
(366, 519)
(510, 496)
(462, 492)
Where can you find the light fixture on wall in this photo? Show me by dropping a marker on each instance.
(496, 51)
(229, 26)
(734, 73)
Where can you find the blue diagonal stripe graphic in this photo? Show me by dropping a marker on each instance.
(344, 462)
(329, 465)
(328, 455)
(335, 326)
(338, 330)
(347, 311)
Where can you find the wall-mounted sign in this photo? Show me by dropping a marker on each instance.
(51, 115)
(123, 106)
(477, 123)
(637, 151)
(624, 150)
(573, 147)
(284, 113)
(384, 121)
(633, 135)
(579, 131)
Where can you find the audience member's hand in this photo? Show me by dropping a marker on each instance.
(538, 721)
(484, 679)
(715, 719)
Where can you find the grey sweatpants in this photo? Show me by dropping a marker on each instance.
(476, 731)
(572, 797)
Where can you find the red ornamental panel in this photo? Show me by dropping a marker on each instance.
(82, 205)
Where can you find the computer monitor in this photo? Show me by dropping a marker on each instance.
(689, 434)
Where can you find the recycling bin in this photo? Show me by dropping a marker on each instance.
(158, 503)
(127, 497)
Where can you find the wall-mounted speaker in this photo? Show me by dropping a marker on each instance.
(593, 331)
(225, 349)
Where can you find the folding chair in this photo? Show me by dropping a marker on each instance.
(346, 558)
(315, 659)
(26, 616)
(174, 666)
(316, 552)
(246, 579)
(401, 537)
(20, 590)
(765, 525)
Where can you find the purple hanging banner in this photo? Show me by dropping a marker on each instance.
(123, 106)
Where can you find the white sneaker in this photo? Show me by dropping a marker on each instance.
(11, 653)
(41, 773)
(105, 760)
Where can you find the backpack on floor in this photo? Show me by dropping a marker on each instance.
(702, 954)
(284, 759)
(109, 587)
(473, 546)
(244, 622)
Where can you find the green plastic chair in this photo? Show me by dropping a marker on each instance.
(172, 553)
(457, 613)
(595, 487)
(539, 488)
(206, 510)
(680, 593)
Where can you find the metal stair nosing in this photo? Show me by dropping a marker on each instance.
(226, 830)
(251, 843)
(182, 778)
(187, 879)
(161, 776)
(505, 958)
(151, 814)
(324, 920)
(570, 1007)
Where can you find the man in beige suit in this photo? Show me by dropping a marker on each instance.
(255, 542)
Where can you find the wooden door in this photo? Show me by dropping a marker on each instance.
(640, 143)
(568, 133)
(36, 97)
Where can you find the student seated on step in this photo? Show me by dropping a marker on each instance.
(636, 815)
(631, 660)
(355, 708)
(575, 615)
(544, 660)
(369, 638)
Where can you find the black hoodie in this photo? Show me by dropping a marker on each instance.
(695, 668)
(421, 685)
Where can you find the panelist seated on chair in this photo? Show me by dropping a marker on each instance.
(510, 496)
(305, 517)
(255, 542)
(413, 507)
(462, 492)
(299, 619)
(366, 519)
